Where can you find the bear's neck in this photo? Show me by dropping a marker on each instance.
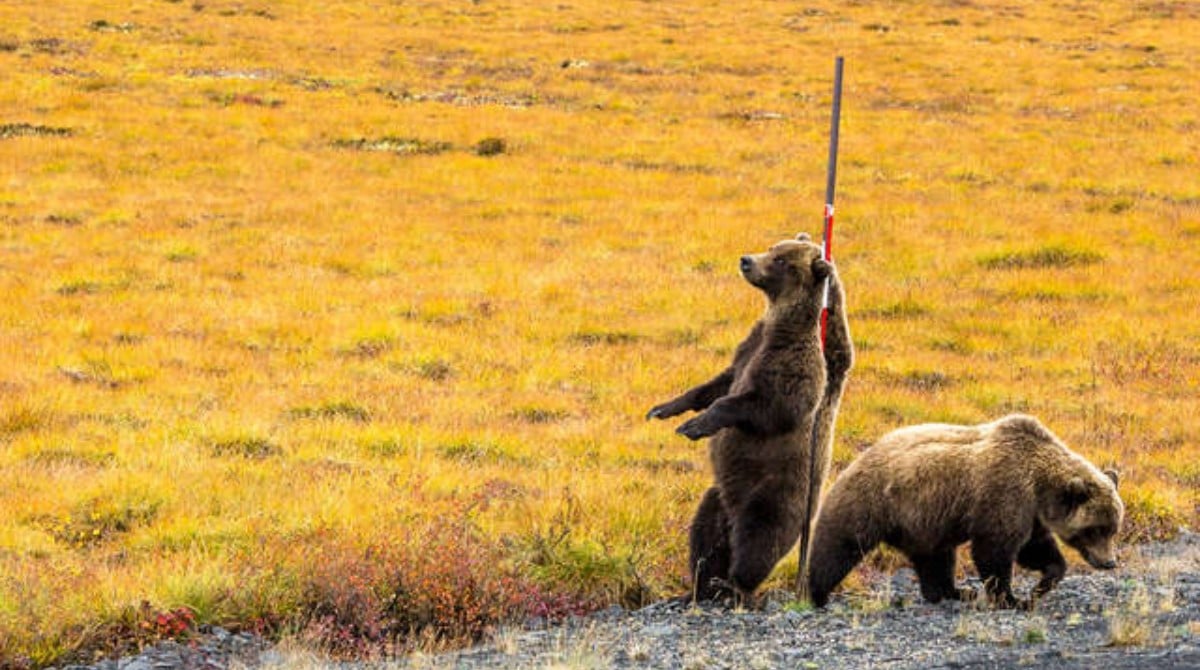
(791, 320)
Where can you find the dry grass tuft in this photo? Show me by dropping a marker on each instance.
(1132, 619)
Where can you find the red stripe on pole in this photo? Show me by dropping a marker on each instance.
(827, 253)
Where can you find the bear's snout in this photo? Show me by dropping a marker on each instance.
(746, 264)
(1101, 560)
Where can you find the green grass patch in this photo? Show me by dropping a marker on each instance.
(540, 414)
(59, 457)
(903, 309)
(1051, 257)
(9, 130)
(403, 146)
(97, 520)
(610, 337)
(246, 447)
(332, 411)
(478, 452)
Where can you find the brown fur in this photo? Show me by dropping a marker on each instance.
(761, 413)
(1008, 487)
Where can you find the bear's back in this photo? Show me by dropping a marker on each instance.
(1013, 435)
(936, 463)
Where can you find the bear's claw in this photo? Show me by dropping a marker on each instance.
(664, 411)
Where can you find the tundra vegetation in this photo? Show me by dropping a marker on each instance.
(338, 321)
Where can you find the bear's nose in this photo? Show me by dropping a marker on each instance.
(1107, 564)
(746, 264)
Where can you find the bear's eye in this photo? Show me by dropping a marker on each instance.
(1094, 534)
(779, 261)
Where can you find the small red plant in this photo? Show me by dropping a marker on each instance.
(442, 584)
(174, 624)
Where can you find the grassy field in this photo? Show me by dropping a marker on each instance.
(339, 320)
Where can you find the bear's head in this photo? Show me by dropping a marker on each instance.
(1086, 513)
(789, 271)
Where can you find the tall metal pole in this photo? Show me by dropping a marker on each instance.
(831, 183)
(810, 505)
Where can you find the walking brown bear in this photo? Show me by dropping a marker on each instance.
(761, 413)
(1008, 487)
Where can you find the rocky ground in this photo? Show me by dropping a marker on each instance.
(215, 649)
(1146, 614)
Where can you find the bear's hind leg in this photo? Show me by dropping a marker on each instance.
(710, 552)
(1041, 553)
(763, 531)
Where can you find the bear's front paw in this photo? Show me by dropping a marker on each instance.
(663, 411)
(695, 428)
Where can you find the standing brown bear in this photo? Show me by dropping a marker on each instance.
(1008, 487)
(762, 412)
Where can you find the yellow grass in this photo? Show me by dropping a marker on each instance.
(243, 321)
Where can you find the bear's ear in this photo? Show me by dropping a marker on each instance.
(1114, 476)
(1074, 494)
(803, 237)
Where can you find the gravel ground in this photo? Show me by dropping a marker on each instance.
(1146, 614)
(215, 649)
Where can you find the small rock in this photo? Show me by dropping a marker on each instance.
(660, 630)
(270, 657)
(795, 615)
(612, 612)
